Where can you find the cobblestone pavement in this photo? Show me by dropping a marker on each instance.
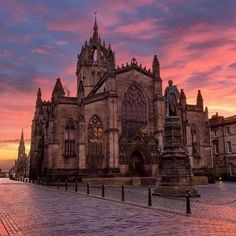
(39, 210)
(217, 201)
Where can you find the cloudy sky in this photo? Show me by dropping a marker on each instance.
(195, 41)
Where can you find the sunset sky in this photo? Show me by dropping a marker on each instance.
(195, 42)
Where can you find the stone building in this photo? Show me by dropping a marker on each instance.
(114, 126)
(223, 137)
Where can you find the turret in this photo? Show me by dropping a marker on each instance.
(199, 100)
(156, 67)
(58, 90)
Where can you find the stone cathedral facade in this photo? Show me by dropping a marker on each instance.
(114, 126)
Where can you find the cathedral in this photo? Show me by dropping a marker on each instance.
(114, 126)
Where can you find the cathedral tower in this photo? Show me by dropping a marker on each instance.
(93, 61)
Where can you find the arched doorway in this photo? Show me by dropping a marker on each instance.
(136, 164)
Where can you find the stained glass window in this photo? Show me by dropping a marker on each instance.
(134, 111)
(95, 136)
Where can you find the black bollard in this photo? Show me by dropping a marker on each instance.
(103, 191)
(58, 183)
(149, 197)
(188, 210)
(66, 184)
(76, 185)
(87, 188)
(122, 193)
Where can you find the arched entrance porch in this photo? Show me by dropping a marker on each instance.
(136, 164)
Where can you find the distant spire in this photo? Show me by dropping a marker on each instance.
(22, 137)
(21, 147)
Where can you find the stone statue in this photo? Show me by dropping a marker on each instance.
(171, 99)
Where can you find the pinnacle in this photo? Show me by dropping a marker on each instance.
(22, 137)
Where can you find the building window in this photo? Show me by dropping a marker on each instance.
(232, 169)
(227, 130)
(229, 147)
(95, 136)
(134, 112)
(69, 145)
(216, 147)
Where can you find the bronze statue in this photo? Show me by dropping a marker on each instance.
(171, 99)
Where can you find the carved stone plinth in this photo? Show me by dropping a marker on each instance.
(175, 173)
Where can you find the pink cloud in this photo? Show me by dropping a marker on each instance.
(44, 49)
(141, 30)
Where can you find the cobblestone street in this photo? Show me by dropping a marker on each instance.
(31, 209)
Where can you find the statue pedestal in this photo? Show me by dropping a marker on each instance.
(175, 173)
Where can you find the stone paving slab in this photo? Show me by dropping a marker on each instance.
(39, 210)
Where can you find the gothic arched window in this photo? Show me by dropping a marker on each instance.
(134, 111)
(95, 136)
(70, 138)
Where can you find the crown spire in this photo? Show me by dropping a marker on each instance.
(95, 28)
